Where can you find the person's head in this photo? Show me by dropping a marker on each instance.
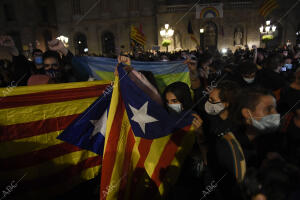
(51, 63)
(221, 97)
(177, 96)
(248, 71)
(260, 54)
(37, 58)
(205, 61)
(256, 108)
(274, 62)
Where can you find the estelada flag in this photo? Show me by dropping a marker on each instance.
(31, 118)
(143, 141)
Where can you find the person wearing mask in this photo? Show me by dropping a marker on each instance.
(37, 62)
(272, 79)
(178, 100)
(290, 94)
(20, 65)
(247, 75)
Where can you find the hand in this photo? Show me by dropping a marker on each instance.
(125, 60)
(57, 45)
(8, 42)
(197, 121)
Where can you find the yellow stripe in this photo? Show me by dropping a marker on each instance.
(173, 172)
(30, 144)
(60, 187)
(117, 175)
(112, 108)
(49, 87)
(49, 167)
(156, 149)
(26, 114)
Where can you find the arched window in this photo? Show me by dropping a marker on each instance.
(80, 43)
(108, 43)
(210, 36)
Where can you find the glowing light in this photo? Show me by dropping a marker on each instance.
(201, 30)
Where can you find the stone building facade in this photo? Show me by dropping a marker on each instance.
(103, 26)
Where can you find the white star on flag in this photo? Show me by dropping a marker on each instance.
(140, 116)
(99, 125)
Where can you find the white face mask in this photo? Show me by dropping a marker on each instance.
(249, 80)
(176, 107)
(213, 109)
(267, 122)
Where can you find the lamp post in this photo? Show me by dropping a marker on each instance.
(166, 33)
(64, 39)
(267, 31)
(202, 38)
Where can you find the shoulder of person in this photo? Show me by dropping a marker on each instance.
(231, 155)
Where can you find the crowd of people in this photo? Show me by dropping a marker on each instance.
(246, 106)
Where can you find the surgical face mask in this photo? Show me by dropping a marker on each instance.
(249, 80)
(52, 73)
(175, 107)
(267, 122)
(38, 60)
(214, 109)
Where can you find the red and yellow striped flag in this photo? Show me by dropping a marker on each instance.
(137, 35)
(267, 7)
(31, 118)
(135, 167)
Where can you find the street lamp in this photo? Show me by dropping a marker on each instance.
(267, 31)
(64, 39)
(202, 38)
(166, 33)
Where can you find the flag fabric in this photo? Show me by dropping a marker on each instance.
(165, 73)
(31, 118)
(191, 33)
(209, 10)
(88, 130)
(142, 143)
(137, 35)
(267, 7)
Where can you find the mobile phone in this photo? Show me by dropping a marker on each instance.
(288, 66)
(283, 69)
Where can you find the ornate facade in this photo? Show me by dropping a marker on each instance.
(103, 26)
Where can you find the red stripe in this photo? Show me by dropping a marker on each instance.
(36, 157)
(63, 176)
(51, 96)
(127, 164)
(139, 171)
(111, 148)
(168, 155)
(24, 130)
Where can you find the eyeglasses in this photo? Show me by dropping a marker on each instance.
(51, 65)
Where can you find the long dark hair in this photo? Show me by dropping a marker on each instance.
(182, 92)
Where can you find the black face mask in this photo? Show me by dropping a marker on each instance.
(53, 73)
